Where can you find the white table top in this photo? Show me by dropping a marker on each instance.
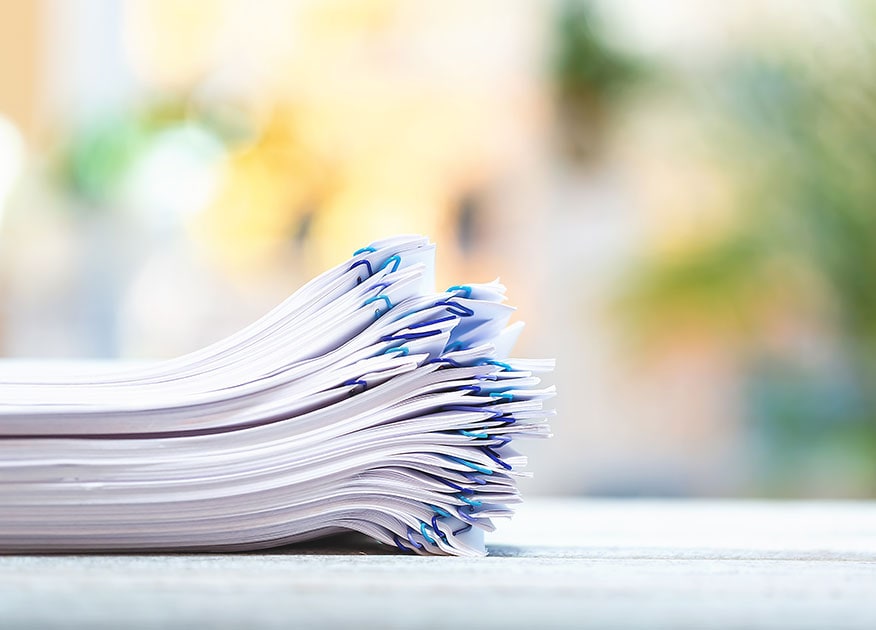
(559, 563)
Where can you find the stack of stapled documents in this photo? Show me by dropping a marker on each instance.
(366, 401)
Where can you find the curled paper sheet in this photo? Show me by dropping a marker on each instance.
(365, 401)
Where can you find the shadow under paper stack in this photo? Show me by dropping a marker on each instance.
(364, 402)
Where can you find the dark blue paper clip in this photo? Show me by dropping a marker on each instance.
(456, 309)
(495, 457)
(435, 527)
(462, 529)
(411, 532)
(362, 262)
(449, 483)
(399, 544)
(440, 320)
(410, 336)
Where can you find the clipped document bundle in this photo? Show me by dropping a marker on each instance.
(365, 401)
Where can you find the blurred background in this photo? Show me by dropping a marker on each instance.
(680, 196)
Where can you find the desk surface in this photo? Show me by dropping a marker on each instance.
(559, 563)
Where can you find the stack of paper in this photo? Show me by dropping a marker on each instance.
(364, 402)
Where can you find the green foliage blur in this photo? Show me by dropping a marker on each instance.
(795, 125)
(94, 160)
(590, 75)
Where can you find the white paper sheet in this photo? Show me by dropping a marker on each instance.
(365, 401)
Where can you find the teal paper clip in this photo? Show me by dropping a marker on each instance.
(378, 297)
(474, 434)
(425, 533)
(392, 259)
(501, 364)
(440, 511)
(472, 465)
(460, 287)
(471, 502)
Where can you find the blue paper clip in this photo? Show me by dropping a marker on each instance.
(426, 535)
(462, 529)
(472, 502)
(435, 527)
(472, 465)
(410, 538)
(449, 483)
(502, 439)
(501, 364)
(473, 477)
(440, 511)
(440, 320)
(362, 262)
(410, 336)
(394, 259)
(472, 408)
(474, 434)
(381, 285)
(456, 309)
(460, 287)
(374, 299)
(494, 456)
(463, 515)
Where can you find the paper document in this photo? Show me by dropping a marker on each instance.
(366, 401)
